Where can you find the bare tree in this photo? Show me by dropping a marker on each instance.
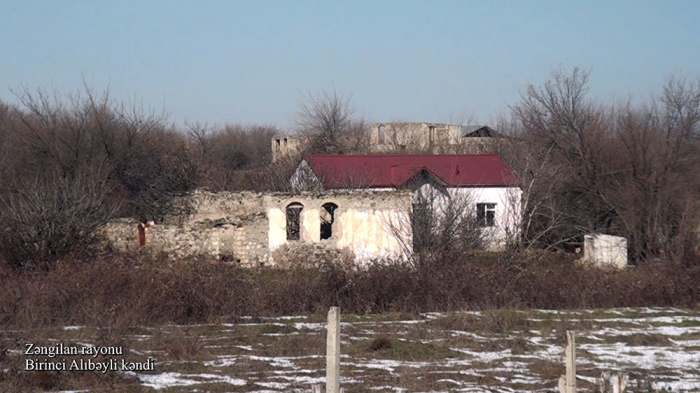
(567, 132)
(143, 159)
(541, 216)
(625, 170)
(6, 144)
(657, 176)
(327, 121)
(226, 154)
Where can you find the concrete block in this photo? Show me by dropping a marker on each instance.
(605, 250)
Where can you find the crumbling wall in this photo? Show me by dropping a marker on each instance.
(254, 250)
(227, 225)
(364, 221)
(250, 228)
(120, 234)
(204, 205)
(435, 138)
(287, 146)
(201, 238)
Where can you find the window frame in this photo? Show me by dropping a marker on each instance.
(483, 218)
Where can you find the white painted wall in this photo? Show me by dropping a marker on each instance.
(508, 211)
(508, 208)
(605, 250)
(363, 225)
(368, 233)
(368, 224)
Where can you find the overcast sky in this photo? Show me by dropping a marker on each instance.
(249, 62)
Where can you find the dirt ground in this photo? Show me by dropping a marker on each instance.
(500, 350)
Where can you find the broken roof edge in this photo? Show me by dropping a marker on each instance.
(413, 123)
(469, 131)
(277, 136)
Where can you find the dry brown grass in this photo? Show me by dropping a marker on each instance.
(117, 291)
(489, 322)
(379, 351)
(652, 340)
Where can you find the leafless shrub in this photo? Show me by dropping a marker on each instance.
(51, 218)
(182, 344)
(380, 343)
(142, 159)
(491, 322)
(143, 290)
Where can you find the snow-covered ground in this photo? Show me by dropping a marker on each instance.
(492, 351)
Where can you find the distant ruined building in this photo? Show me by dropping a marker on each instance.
(435, 138)
(408, 137)
(360, 207)
(287, 146)
(353, 207)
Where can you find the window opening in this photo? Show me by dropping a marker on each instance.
(327, 219)
(486, 214)
(381, 134)
(294, 221)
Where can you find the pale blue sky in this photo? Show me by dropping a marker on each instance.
(248, 62)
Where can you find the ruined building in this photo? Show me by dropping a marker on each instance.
(434, 138)
(360, 207)
(287, 145)
(403, 137)
(268, 228)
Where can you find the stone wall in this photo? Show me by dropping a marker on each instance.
(228, 226)
(204, 205)
(287, 146)
(120, 234)
(201, 238)
(250, 228)
(397, 137)
(432, 138)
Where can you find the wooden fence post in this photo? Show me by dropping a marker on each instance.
(613, 383)
(333, 351)
(567, 383)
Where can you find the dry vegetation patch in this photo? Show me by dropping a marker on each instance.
(479, 351)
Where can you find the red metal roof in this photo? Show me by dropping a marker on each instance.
(379, 171)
